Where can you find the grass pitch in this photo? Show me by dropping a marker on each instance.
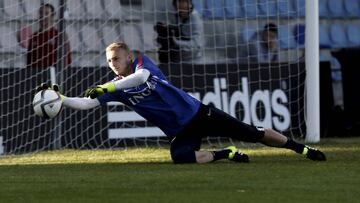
(147, 175)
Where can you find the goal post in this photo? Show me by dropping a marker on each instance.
(313, 71)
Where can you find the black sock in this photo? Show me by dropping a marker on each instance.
(223, 154)
(297, 147)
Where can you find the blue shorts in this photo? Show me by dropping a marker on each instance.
(210, 121)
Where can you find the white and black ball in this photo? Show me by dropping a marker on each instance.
(47, 103)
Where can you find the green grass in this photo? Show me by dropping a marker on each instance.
(147, 175)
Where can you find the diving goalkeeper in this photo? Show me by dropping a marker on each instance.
(141, 85)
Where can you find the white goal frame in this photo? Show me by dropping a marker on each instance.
(313, 72)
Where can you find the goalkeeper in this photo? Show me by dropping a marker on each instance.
(141, 85)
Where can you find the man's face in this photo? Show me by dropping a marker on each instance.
(45, 16)
(270, 38)
(119, 61)
(183, 9)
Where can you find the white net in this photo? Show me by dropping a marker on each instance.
(230, 68)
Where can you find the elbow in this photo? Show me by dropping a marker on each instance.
(144, 75)
(143, 79)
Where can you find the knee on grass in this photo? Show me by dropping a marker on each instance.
(183, 155)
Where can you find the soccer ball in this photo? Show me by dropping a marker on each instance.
(47, 103)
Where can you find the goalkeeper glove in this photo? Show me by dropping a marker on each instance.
(42, 86)
(55, 87)
(100, 90)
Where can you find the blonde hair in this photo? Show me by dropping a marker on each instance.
(117, 46)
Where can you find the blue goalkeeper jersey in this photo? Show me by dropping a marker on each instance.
(158, 101)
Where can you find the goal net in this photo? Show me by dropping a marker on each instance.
(263, 88)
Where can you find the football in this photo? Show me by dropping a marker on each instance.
(47, 103)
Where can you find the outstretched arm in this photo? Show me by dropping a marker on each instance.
(80, 103)
(71, 102)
